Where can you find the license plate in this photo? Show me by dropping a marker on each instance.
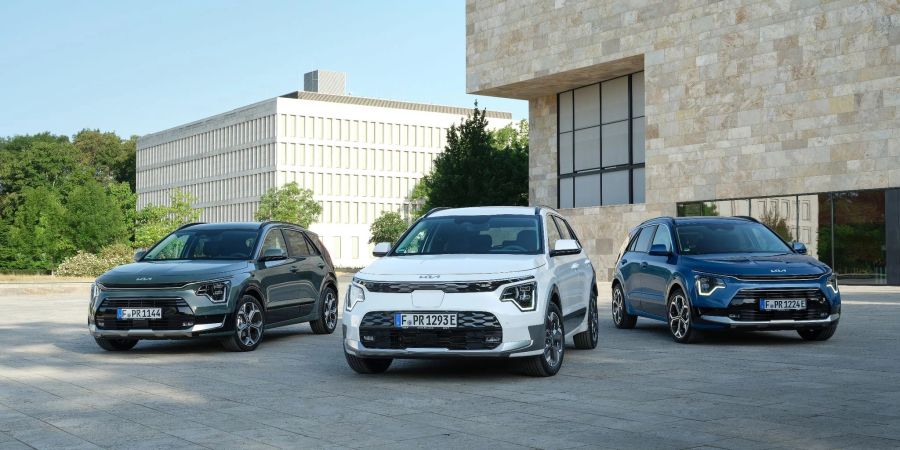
(139, 313)
(782, 305)
(417, 320)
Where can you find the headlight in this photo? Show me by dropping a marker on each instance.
(832, 283)
(523, 295)
(215, 291)
(355, 294)
(95, 294)
(707, 284)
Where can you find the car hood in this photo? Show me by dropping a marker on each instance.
(757, 265)
(448, 267)
(169, 272)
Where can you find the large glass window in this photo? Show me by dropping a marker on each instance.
(601, 143)
(856, 233)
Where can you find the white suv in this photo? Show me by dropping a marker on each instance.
(487, 281)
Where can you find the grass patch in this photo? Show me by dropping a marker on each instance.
(18, 278)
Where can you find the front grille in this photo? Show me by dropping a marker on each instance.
(473, 331)
(141, 286)
(405, 287)
(175, 314)
(745, 305)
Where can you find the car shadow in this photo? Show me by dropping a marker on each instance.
(728, 337)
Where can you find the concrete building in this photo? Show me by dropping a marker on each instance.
(784, 110)
(360, 156)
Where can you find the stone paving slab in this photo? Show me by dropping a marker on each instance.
(638, 390)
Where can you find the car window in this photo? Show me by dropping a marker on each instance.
(204, 244)
(273, 239)
(565, 230)
(663, 237)
(730, 237)
(642, 244)
(552, 232)
(571, 230)
(477, 235)
(296, 243)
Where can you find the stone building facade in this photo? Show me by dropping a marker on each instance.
(742, 100)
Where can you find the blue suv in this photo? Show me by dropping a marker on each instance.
(698, 273)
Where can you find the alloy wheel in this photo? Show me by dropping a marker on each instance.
(330, 310)
(553, 345)
(679, 316)
(618, 306)
(594, 321)
(249, 324)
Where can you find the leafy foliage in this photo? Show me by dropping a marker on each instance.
(154, 222)
(36, 238)
(479, 167)
(94, 216)
(771, 218)
(85, 264)
(387, 228)
(289, 203)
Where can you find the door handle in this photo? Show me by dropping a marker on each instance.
(321, 265)
(294, 269)
(623, 261)
(644, 265)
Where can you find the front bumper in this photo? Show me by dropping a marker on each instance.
(771, 324)
(135, 333)
(482, 316)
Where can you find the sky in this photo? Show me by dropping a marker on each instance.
(136, 67)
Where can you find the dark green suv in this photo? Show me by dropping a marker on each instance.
(224, 280)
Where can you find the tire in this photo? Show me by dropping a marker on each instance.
(621, 318)
(587, 340)
(818, 334)
(367, 366)
(249, 326)
(116, 345)
(680, 317)
(548, 363)
(326, 318)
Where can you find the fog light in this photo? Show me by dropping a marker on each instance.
(368, 338)
(492, 339)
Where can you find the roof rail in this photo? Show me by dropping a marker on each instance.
(752, 219)
(538, 207)
(278, 222)
(434, 210)
(190, 225)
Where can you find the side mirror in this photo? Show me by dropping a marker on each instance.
(659, 250)
(381, 249)
(139, 254)
(798, 247)
(273, 254)
(565, 247)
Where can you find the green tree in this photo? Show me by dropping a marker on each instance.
(110, 157)
(154, 222)
(39, 160)
(479, 167)
(94, 216)
(36, 238)
(387, 228)
(289, 203)
(772, 219)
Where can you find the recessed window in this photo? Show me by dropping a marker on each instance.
(601, 143)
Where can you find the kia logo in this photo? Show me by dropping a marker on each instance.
(428, 277)
(143, 279)
(778, 270)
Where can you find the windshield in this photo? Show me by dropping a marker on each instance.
(737, 237)
(204, 244)
(476, 235)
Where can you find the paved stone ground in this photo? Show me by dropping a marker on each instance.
(637, 390)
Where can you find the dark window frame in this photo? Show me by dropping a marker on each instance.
(628, 167)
